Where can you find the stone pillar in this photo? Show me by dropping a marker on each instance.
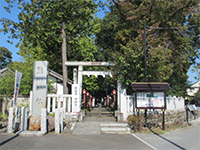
(118, 96)
(11, 120)
(17, 118)
(80, 80)
(23, 119)
(61, 119)
(44, 120)
(40, 84)
(123, 103)
(31, 104)
(121, 94)
(57, 122)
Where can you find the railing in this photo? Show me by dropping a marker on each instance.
(130, 104)
(59, 101)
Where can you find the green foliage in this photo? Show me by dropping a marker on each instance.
(5, 57)
(1, 116)
(197, 70)
(197, 95)
(52, 114)
(51, 87)
(23, 105)
(7, 84)
(171, 49)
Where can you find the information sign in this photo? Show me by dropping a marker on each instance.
(150, 99)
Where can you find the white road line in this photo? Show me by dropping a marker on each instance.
(144, 141)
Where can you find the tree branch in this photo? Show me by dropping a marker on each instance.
(172, 17)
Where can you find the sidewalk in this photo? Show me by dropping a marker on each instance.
(186, 138)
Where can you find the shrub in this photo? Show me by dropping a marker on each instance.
(135, 122)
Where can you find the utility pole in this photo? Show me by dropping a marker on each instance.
(145, 54)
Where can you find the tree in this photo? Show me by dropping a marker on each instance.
(52, 25)
(197, 70)
(5, 57)
(168, 47)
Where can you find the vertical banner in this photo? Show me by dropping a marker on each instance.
(75, 98)
(18, 76)
(40, 85)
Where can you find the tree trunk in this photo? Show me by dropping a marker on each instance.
(64, 59)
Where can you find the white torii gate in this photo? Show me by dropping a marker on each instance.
(80, 65)
(121, 93)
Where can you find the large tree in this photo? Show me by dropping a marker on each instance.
(5, 57)
(54, 26)
(168, 47)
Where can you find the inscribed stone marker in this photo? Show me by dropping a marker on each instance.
(40, 83)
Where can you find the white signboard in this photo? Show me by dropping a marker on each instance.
(18, 76)
(75, 98)
(155, 99)
(40, 85)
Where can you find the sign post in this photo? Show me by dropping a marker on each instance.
(151, 96)
(18, 76)
(75, 99)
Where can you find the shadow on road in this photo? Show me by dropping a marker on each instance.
(8, 140)
(166, 139)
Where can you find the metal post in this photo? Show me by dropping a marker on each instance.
(145, 116)
(99, 110)
(163, 122)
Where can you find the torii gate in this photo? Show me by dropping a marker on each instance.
(80, 65)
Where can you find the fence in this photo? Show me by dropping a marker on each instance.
(59, 101)
(173, 103)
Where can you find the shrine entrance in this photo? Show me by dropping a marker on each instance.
(82, 97)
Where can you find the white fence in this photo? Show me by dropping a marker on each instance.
(130, 103)
(173, 103)
(55, 101)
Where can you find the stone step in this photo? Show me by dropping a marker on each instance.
(114, 125)
(115, 128)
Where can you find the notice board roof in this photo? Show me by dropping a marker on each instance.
(150, 86)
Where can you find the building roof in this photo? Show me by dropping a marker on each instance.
(58, 76)
(150, 86)
(51, 72)
(195, 85)
(5, 69)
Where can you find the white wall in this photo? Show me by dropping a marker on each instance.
(175, 103)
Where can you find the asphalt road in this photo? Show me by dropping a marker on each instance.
(68, 141)
(183, 139)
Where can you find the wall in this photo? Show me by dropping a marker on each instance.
(21, 101)
(175, 103)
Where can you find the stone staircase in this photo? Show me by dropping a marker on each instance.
(92, 124)
(115, 128)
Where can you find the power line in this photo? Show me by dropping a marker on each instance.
(161, 28)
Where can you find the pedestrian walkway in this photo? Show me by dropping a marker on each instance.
(185, 138)
(93, 116)
(93, 124)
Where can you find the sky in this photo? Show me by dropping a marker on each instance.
(14, 50)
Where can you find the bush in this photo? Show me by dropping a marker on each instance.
(1, 116)
(135, 122)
